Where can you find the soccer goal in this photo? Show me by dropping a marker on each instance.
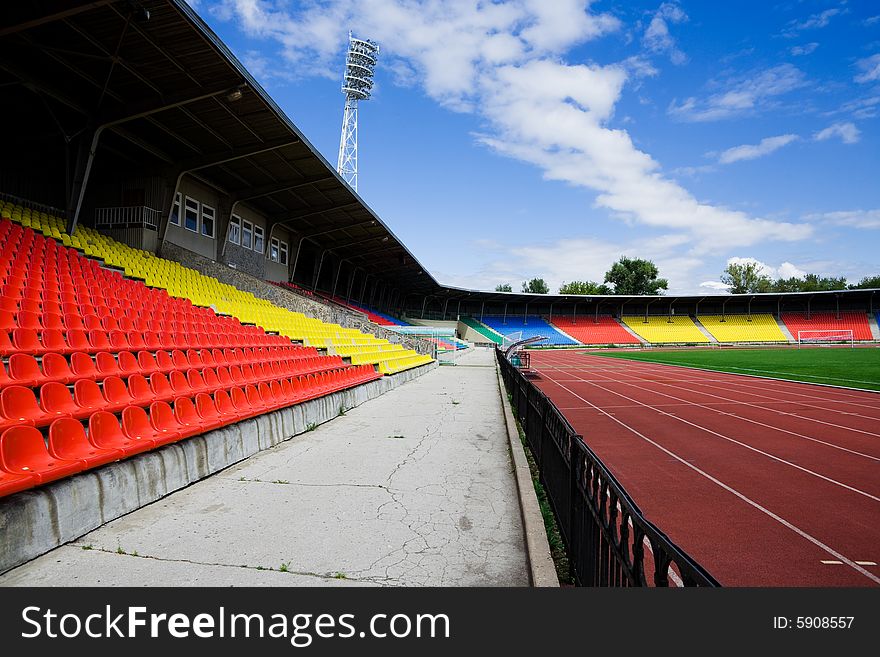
(829, 337)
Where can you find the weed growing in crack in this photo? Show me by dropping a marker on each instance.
(281, 481)
(119, 550)
(284, 568)
(311, 426)
(87, 547)
(340, 576)
(455, 403)
(397, 437)
(341, 411)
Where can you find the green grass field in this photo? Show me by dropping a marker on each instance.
(854, 368)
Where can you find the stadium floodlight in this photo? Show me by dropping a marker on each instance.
(356, 85)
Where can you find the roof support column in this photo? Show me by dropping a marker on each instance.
(85, 157)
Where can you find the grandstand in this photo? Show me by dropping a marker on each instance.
(592, 330)
(146, 368)
(760, 327)
(857, 322)
(483, 330)
(528, 326)
(659, 329)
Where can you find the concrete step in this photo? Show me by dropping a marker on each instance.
(631, 332)
(705, 331)
(785, 331)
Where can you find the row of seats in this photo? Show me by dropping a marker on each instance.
(666, 328)
(759, 327)
(590, 329)
(27, 458)
(26, 370)
(19, 405)
(524, 327)
(854, 321)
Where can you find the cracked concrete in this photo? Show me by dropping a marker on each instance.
(409, 489)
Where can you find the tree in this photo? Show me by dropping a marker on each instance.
(584, 287)
(536, 286)
(635, 276)
(809, 283)
(868, 282)
(503, 287)
(745, 278)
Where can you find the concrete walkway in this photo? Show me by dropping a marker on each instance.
(414, 488)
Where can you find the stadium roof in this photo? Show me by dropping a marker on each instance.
(166, 94)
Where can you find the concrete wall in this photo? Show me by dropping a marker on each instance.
(36, 521)
(195, 242)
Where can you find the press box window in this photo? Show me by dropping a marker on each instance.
(208, 221)
(235, 229)
(191, 215)
(283, 253)
(247, 233)
(273, 249)
(259, 245)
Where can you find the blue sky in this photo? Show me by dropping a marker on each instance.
(507, 140)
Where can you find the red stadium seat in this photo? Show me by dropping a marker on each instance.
(226, 409)
(207, 410)
(136, 425)
(147, 363)
(140, 391)
(117, 395)
(19, 406)
(105, 433)
(14, 483)
(24, 370)
(26, 341)
(106, 364)
(23, 451)
(56, 368)
(56, 401)
(166, 426)
(67, 440)
(160, 386)
(187, 417)
(88, 397)
(83, 366)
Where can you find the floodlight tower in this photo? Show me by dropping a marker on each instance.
(356, 85)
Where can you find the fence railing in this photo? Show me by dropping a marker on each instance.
(608, 540)
(127, 217)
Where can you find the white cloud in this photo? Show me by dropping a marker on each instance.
(753, 151)
(657, 38)
(868, 219)
(715, 285)
(504, 62)
(848, 133)
(870, 67)
(743, 95)
(784, 270)
(872, 20)
(806, 49)
(816, 21)
(862, 108)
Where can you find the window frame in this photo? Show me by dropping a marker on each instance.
(260, 232)
(235, 229)
(247, 227)
(283, 253)
(186, 208)
(212, 220)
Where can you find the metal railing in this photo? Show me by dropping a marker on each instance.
(608, 540)
(127, 217)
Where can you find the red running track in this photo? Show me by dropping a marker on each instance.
(764, 482)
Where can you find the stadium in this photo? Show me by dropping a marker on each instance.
(221, 367)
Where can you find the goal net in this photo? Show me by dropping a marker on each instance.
(841, 336)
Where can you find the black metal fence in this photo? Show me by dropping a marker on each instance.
(608, 540)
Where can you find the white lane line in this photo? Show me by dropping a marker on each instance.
(750, 420)
(812, 539)
(740, 443)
